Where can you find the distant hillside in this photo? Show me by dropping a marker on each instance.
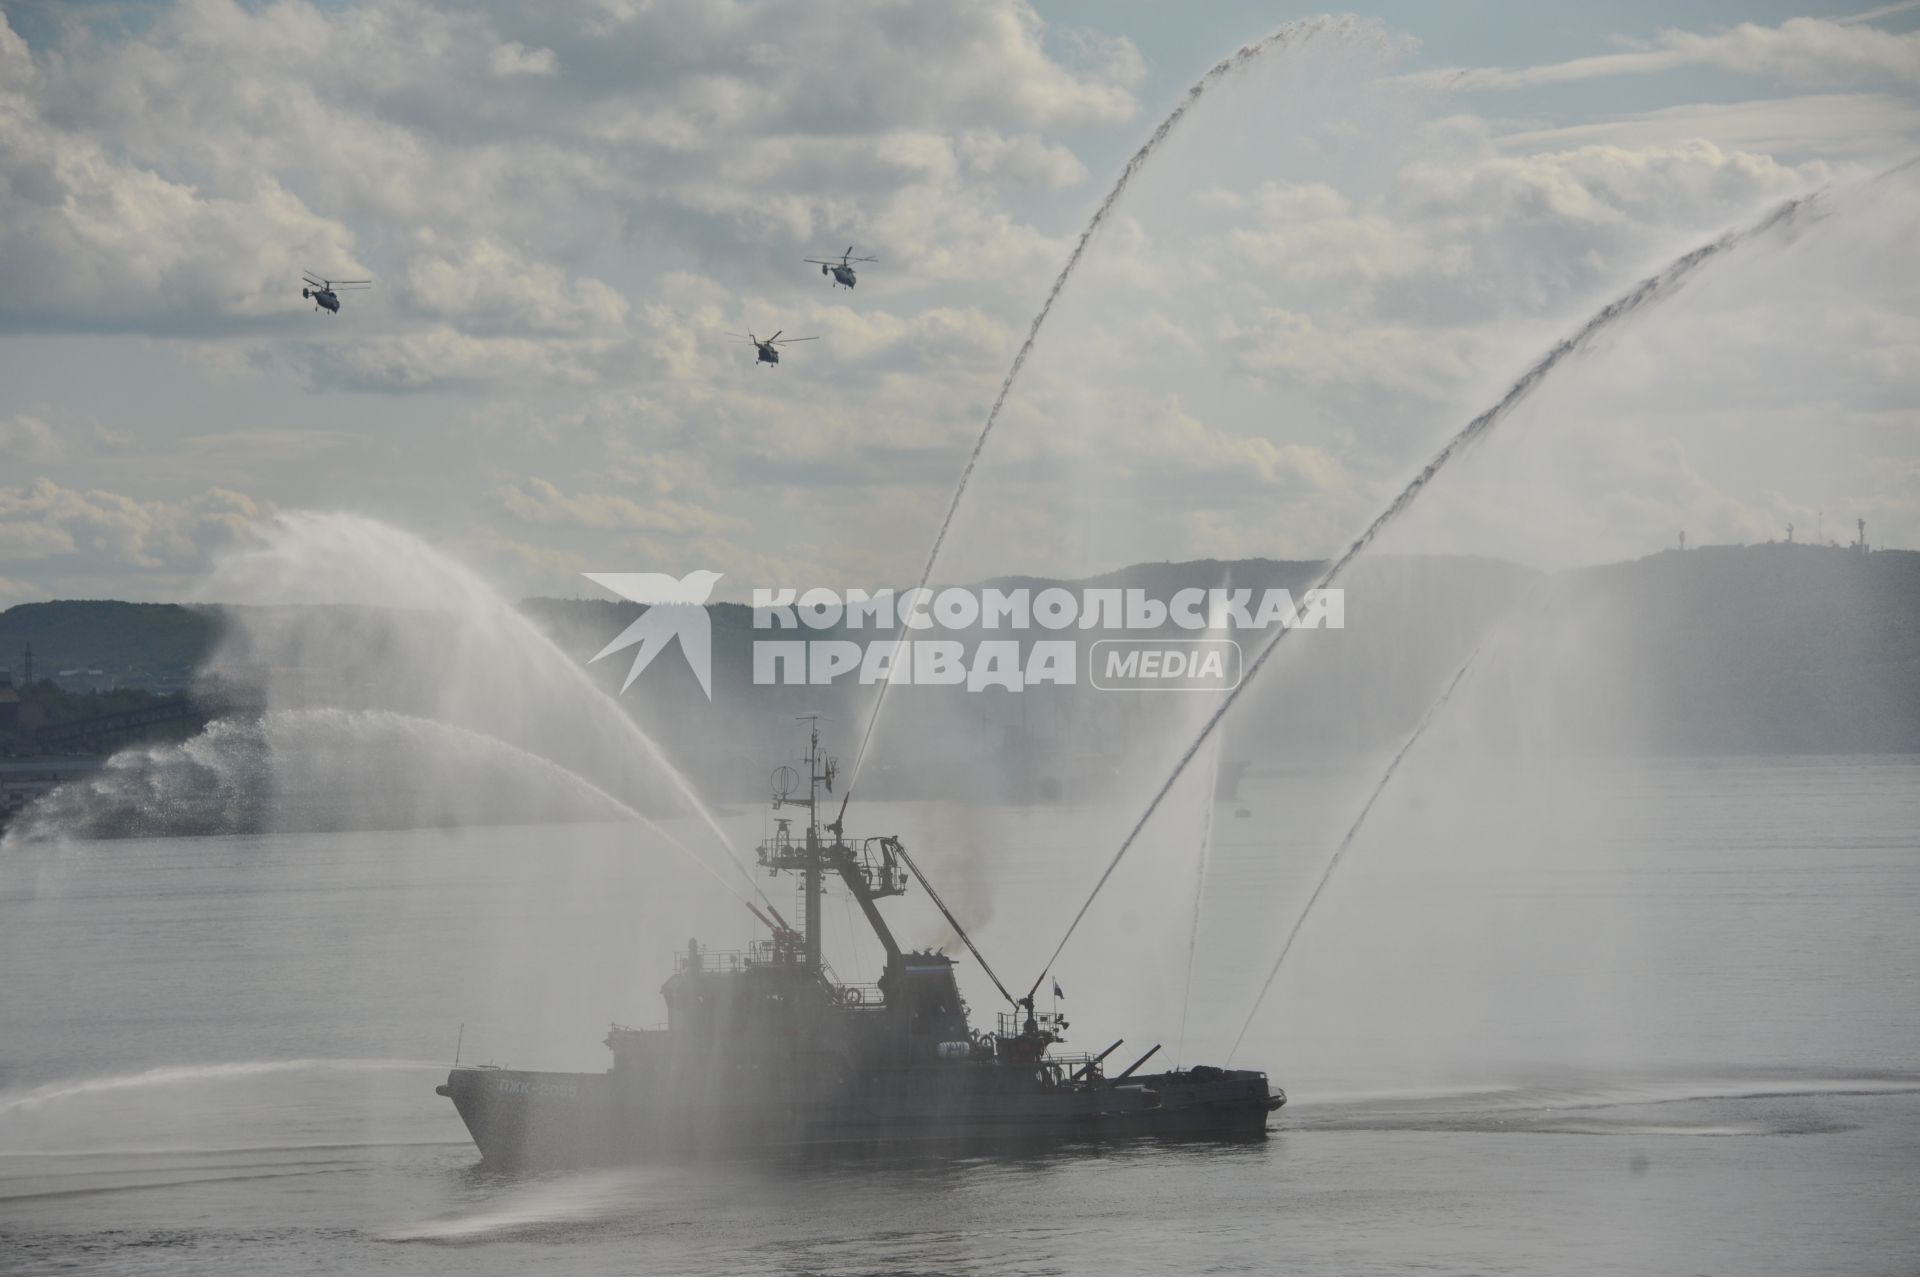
(1775, 648)
(1767, 648)
(1763, 649)
(137, 643)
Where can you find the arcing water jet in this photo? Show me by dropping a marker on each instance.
(1293, 34)
(188, 1075)
(1199, 893)
(325, 769)
(1333, 861)
(346, 610)
(1649, 291)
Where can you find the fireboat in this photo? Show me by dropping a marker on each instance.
(764, 1050)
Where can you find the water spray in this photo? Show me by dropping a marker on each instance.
(226, 779)
(1290, 35)
(1210, 800)
(1333, 861)
(1649, 291)
(1199, 892)
(1293, 33)
(1386, 777)
(189, 1075)
(336, 558)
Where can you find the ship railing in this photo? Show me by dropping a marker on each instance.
(718, 961)
(1012, 1025)
(1080, 1070)
(858, 996)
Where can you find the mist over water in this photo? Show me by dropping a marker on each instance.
(344, 611)
(1575, 664)
(1199, 899)
(307, 770)
(1497, 966)
(14, 1105)
(1643, 295)
(538, 1209)
(1346, 841)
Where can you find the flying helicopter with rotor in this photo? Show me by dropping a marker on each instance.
(842, 270)
(768, 350)
(325, 293)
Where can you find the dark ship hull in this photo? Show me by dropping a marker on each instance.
(518, 1117)
(766, 1052)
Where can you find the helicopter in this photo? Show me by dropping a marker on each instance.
(323, 291)
(767, 352)
(842, 270)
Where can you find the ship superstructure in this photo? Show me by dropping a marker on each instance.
(765, 1049)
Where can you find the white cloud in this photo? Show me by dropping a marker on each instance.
(26, 437)
(1025, 158)
(484, 284)
(92, 239)
(14, 591)
(886, 342)
(1802, 52)
(1819, 125)
(443, 358)
(1597, 186)
(536, 501)
(1466, 232)
(1377, 358)
(567, 209)
(1344, 332)
(514, 58)
(88, 241)
(852, 65)
(44, 520)
(140, 192)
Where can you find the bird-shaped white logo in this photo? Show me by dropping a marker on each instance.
(676, 607)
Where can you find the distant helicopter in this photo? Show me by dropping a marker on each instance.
(767, 353)
(323, 291)
(842, 270)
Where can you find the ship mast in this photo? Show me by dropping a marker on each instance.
(868, 874)
(820, 771)
(872, 868)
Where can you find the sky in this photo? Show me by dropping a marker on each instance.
(1347, 249)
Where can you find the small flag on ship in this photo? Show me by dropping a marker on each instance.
(1056, 990)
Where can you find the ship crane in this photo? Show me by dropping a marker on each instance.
(870, 873)
(878, 869)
